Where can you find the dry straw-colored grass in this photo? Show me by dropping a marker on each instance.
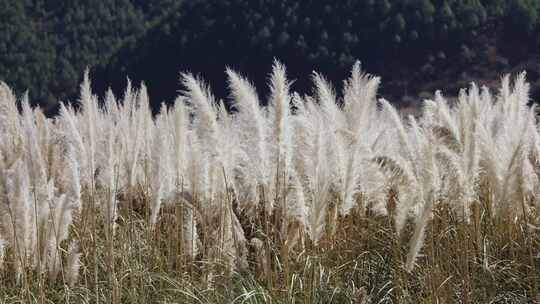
(328, 198)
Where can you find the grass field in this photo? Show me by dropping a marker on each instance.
(327, 198)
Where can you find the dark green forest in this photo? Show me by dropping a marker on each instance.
(45, 45)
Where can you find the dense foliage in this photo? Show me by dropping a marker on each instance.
(44, 44)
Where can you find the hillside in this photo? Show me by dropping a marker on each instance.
(415, 46)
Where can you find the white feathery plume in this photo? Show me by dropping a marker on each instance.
(338, 156)
(517, 178)
(305, 137)
(228, 142)
(160, 166)
(360, 112)
(251, 125)
(404, 142)
(455, 181)
(63, 206)
(445, 118)
(203, 105)
(520, 94)
(71, 177)
(109, 166)
(70, 132)
(73, 264)
(316, 173)
(182, 165)
(428, 192)
(417, 238)
(17, 213)
(505, 137)
(57, 231)
(197, 167)
(297, 212)
(280, 136)
(400, 175)
(359, 98)
(279, 102)
(296, 201)
(36, 167)
(44, 133)
(408, 153)
(146, 124)
(133, 145)
(129, 100)
(491, 164)
(206, 128)
(9, 115)
(179, 130)
(111, 106)
(88, 126)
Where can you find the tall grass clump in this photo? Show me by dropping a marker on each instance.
(318, 198)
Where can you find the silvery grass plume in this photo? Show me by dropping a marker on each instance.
(109, 163)
(171, 158)
(229, 141)
(334, 122)
(111, 108)
(454, 131)
(211, 126)
(311, 166)
(363, 131)
(69, 131)
(130, 125)
(196, 179)
(251, 125)
(505, 142)
(402, 162)
(73, 264)
(69, 175)
(420, 172)
(297, 211)
(36, 166)
(160, 177)
(352, 143)
(178, 126)
(205, 127)
(18, 224)
(280, 135)
(88, 126)
(9, 122)
(197, 168)
(19, 207)
(429, 190)
(147, 125)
